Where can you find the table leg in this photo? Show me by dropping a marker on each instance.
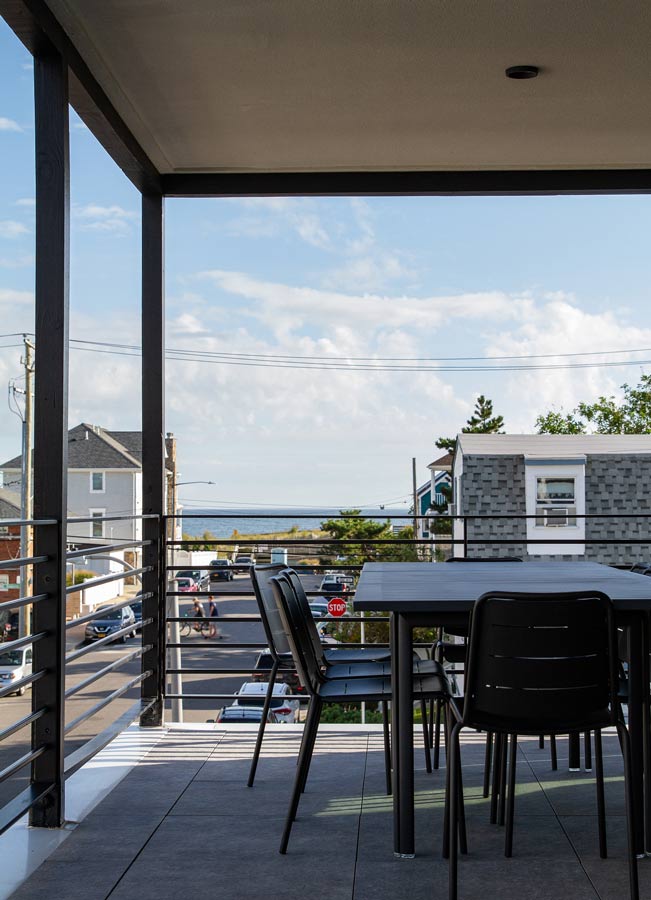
(646, 734)
(403, 735)
(574, 750)
(637, 695)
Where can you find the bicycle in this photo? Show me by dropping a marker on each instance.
(190, 625)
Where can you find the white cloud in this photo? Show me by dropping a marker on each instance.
(9, 125)
(11, 298)
(29, 202)
(286, 308)
(11, 229)
(113, 219)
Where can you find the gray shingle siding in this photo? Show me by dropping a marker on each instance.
(613, 483)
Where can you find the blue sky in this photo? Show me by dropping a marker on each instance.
(332, 278)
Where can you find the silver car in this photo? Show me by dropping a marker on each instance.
(14, 665)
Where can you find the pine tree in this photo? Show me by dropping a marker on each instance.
(482, 421)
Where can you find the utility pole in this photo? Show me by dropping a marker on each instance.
(415, 492)
(27, 493)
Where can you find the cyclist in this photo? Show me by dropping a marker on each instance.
(213, 613)
(198, 613)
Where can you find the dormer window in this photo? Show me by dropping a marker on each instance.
(555, 502)
(97, 482)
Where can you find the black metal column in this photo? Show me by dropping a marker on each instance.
(51, 423)
(153, 453)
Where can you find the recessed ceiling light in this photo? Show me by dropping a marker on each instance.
(520, 72)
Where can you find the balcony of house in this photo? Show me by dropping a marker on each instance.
(155, 799)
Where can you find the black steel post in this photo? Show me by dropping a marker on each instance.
(153, 454)
(51, 423)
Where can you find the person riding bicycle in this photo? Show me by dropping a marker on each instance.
(213, 613)
(198, 612)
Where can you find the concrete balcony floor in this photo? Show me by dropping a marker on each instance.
(183, 824)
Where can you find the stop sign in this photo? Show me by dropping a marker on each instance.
(336, 606)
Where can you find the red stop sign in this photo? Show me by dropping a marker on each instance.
(336, 606)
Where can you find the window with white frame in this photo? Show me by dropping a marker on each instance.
(97, 482)
(555, 501)
(97, 525)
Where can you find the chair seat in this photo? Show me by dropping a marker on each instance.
(357, 654)
(425, 687)
(381, 669)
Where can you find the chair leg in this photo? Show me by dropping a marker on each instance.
(426, 743)
(487, 763)
(463, 836)
(309, 750)
(263, 722)
(587, 742)
(436, 724)
(510, 805)
(311, 726)
(503, 760)
(445, 852)
(387, 746)
(497, 768)
(453, 769)
(307, 715)
(431, 723)
(601, 799)
(552, 744)
(625, 742)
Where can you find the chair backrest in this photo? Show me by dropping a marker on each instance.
(462, 559)
(273, 628)
(541, 663)
(300, 646)
(304, 604)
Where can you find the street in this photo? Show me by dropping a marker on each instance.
(232, 600)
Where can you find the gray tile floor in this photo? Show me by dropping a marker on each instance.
(183, 824)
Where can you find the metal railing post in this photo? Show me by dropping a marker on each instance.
(51, 425)
(465, 536)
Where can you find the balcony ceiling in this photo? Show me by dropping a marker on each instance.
(335, 85)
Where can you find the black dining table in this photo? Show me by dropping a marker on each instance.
(423, 594)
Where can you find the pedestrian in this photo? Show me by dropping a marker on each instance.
(213, 612)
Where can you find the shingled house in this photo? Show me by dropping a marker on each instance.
(105, 474)
(9, 544)
(556, 480)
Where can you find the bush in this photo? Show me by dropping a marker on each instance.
(349, 714)
(81, 575)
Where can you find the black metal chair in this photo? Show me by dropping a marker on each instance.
(541, 664)
(341, 663)
(323, 689)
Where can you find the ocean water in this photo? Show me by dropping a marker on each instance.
(222, 522)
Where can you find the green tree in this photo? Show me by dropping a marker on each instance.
(482, 421)
(352, 526)
(607, 415)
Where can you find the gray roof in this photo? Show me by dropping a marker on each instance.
(9, 504)
(91, 447)
(552, 444)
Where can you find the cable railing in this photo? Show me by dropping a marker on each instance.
(74, 686)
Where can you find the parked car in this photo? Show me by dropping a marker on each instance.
(245, 714)
(263, 665)
(243, 564)
(195, 574)
(221, 570)
(14, 665)
(252, 694)
(136, 608)
(334, 584)
(319, 608)
(187, 585)
(112, 621)
(9, 625)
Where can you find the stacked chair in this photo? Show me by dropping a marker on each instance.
(340, 662)
(540, 664)
(335, 683)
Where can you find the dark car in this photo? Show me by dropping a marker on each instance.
(136, 608)
(242, 564)
(112, 621)
(263, 665)
(221, 570)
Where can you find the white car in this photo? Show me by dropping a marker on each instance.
(14, 665)
(252, 693)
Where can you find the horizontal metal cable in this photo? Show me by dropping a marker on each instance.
(35, 522)
(22, 601)
(105, 579)
(82, 651)
(21, 682)
(79, 519)
(104, 671)
(98, 613)
(22, 723)
(105, 702)
(105, 548)
(20, 763)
